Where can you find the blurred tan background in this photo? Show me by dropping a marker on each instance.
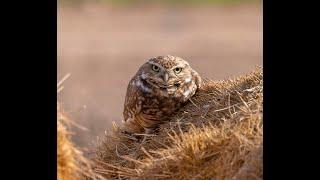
(103, 43)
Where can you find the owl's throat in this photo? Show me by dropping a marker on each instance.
(169, 87)
(165, 89)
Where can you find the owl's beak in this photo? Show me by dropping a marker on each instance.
(166, 77)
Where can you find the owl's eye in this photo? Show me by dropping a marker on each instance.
(177, 70)
(155, 68)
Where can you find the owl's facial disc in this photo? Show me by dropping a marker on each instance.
(166, 78)
(154, 74)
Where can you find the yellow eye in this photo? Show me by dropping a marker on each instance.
(155, 68)
(177, 70)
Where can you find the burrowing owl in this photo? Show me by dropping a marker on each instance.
(160, 87)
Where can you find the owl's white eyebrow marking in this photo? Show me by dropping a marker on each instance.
(153, 63)
(143, 87)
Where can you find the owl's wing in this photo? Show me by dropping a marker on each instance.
(132, 105)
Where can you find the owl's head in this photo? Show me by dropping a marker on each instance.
(166, 72)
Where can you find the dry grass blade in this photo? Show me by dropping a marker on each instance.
(63, 79)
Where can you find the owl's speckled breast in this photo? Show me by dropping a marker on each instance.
(158, 104)
(160, 107)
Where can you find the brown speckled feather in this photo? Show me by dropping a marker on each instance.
(132, 101)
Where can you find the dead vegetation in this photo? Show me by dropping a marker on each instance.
(218, 135)
(71, 164)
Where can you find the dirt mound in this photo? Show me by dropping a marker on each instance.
(217, 135)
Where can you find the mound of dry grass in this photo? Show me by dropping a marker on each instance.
(71, 164)
(218, 135)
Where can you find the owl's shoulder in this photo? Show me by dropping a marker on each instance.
(137, 93)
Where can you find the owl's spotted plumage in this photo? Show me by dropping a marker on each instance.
(160, 87)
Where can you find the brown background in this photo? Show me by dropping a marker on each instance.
(102, 47)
